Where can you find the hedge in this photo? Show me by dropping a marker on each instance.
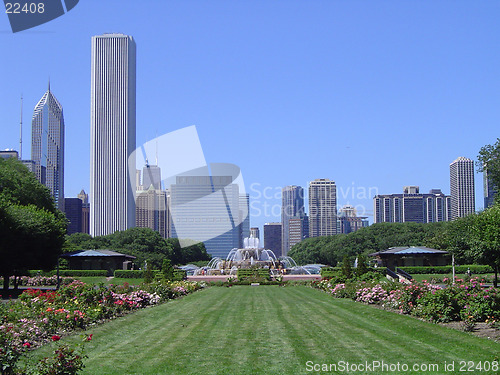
(81, 273)
(139, 274)
(474, 268)
(244, 274)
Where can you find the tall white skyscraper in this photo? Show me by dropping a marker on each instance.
(112, 133)
(462, 187)
(322, 208)
(47, 145)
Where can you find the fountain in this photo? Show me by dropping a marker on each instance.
(252, 256)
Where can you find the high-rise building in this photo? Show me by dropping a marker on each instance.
(412, 206)
(151, 210)
(206, 208)
(490, 190)
(349, 220)
(322, 208)
(292, 207)
(84, 197)
(73, 211)
(244, 218)
(462, 187)
(112, 133)
(255, 232)
(47, 145)
(6, 154)
(272, 238)
(151, 175)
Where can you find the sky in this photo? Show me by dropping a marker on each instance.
(375, 95)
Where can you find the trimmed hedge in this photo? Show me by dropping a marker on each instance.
(329, 272)
(139, 274)
(474, 268)
(244, 274)
(81, 273)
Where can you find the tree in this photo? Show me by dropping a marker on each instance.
(485, 239)
(489, 159)
(167, 270)
(32, 230)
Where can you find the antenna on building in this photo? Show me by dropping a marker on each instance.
(21, 131)
(156, 136)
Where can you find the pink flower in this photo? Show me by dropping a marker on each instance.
(27, 345)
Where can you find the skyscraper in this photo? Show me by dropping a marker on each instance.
(412, 206)
(244, 218)
(47, 145)
(84, 197)
(272, 237)
(292, 207)
(349, 220)
(112, 132)
(490, 190)
(151, 175)
(462, 187)
(322, 208)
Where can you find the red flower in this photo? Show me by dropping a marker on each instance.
(56, 338)
(27, 344)
(90, 337)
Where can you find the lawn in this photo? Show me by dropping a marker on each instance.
(271, 330)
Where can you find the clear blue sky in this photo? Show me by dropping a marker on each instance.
(371, 94)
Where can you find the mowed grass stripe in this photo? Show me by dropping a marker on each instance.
(269, 330)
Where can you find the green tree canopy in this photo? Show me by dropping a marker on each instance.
(332, 249)
(31, 227)
(489, 159)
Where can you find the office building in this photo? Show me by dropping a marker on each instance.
(412, 206)
(255, 232)
(73, 211)
(462, 187)
(84, 197)
(6, 154)
(244, 218)
(151, 210)
(112, 134)
(490, 190)
(349, 221)
(292, 207)
(206, 209)
(47, 145)
(322, 208)
(272, 238)
(151, 175)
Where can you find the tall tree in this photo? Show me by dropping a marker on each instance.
(31, 228)
(489, 159)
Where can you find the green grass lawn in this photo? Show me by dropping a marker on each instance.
(270, 330)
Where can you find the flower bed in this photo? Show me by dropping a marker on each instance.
(39, 316)
(466, 301)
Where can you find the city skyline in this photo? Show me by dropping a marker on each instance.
(323, 89)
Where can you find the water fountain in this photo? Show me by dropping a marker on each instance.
(252, 256)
